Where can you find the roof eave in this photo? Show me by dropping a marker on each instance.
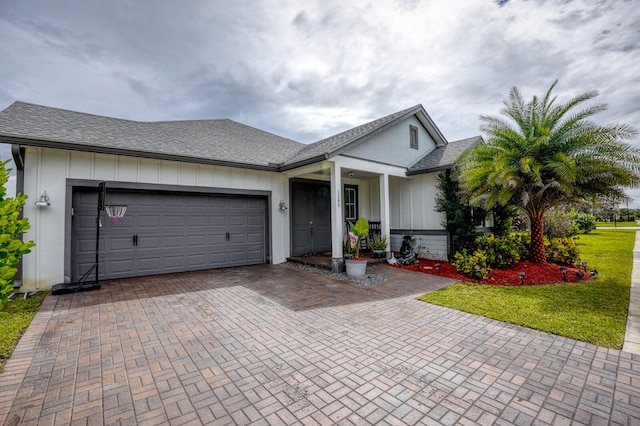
(318, 158)
(415, 110)
(432, 128)
(429, 170)
(39, 143)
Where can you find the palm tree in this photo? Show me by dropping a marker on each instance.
(545, 154)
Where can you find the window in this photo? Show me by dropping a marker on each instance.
(413, 137)
(350, 203)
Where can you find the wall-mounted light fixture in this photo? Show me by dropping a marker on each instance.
(351, 174)
(282, 206)
(43, 201)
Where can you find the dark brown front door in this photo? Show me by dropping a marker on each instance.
(310, 218)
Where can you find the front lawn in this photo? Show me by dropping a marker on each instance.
(15, 317)
(594, 311)
(615, 224)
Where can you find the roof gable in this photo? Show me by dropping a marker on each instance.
(337, 144)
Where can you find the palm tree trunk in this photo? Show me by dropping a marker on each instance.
(536, 252)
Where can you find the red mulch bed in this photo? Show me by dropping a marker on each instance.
(534, 273)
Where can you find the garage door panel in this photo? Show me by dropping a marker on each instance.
(217, 220)
(236, 202)
(255, 220)
(197, 221)
(147, 220)
(255, 237)
(197, 240)
(176, 232)
(118, 266)
(86, 246)
(120, 243)
(174, 261)
(149, 264)
(218, 259)
(87, 223)
(236, 238)
(237, 220)
(199, 261)
(237, 255)
(174, 220)
(149, 242)
(177, 241)
(256, 255)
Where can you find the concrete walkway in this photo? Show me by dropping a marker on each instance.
(632, 336)
(278, 345)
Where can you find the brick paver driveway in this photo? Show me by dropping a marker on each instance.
(278, 345)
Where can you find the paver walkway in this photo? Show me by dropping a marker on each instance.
(278, 345)
(632, 335)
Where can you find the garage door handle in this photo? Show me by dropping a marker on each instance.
(135, 240)
(227, 236)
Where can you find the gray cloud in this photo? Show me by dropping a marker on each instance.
(306, 70)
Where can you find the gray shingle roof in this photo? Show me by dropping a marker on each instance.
(216, 141)
(220, 141)
(442, 157)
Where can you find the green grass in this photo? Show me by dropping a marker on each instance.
(594, 311)
(613, 224)
(15, 317)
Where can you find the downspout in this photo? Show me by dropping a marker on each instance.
(18, 158)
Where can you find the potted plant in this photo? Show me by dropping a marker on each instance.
(357, 267)
(347, 250)
(379, 245)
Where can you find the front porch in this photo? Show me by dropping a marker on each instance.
(354, 188)
(324, 260)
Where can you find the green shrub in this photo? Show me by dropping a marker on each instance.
(467, 263)
(559, 224)
(11, 227)
(563, 251)
(501, 252)
(585, 222)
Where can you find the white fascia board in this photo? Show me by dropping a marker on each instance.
(369, 166)
(308, 169)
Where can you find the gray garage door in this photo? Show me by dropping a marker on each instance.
(167, 232)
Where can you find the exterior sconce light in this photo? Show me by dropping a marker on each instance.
(43, 201)
(351, 174)
(521, 275)
(282, 206)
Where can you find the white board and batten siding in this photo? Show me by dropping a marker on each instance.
(412, 210)
(44, 266)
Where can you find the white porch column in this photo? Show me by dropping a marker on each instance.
(337, 219)
(385, 221)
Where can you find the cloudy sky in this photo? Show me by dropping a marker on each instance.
(309, 69)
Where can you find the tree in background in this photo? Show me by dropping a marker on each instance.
(462, 220)
(543, 155)
(11, 227)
